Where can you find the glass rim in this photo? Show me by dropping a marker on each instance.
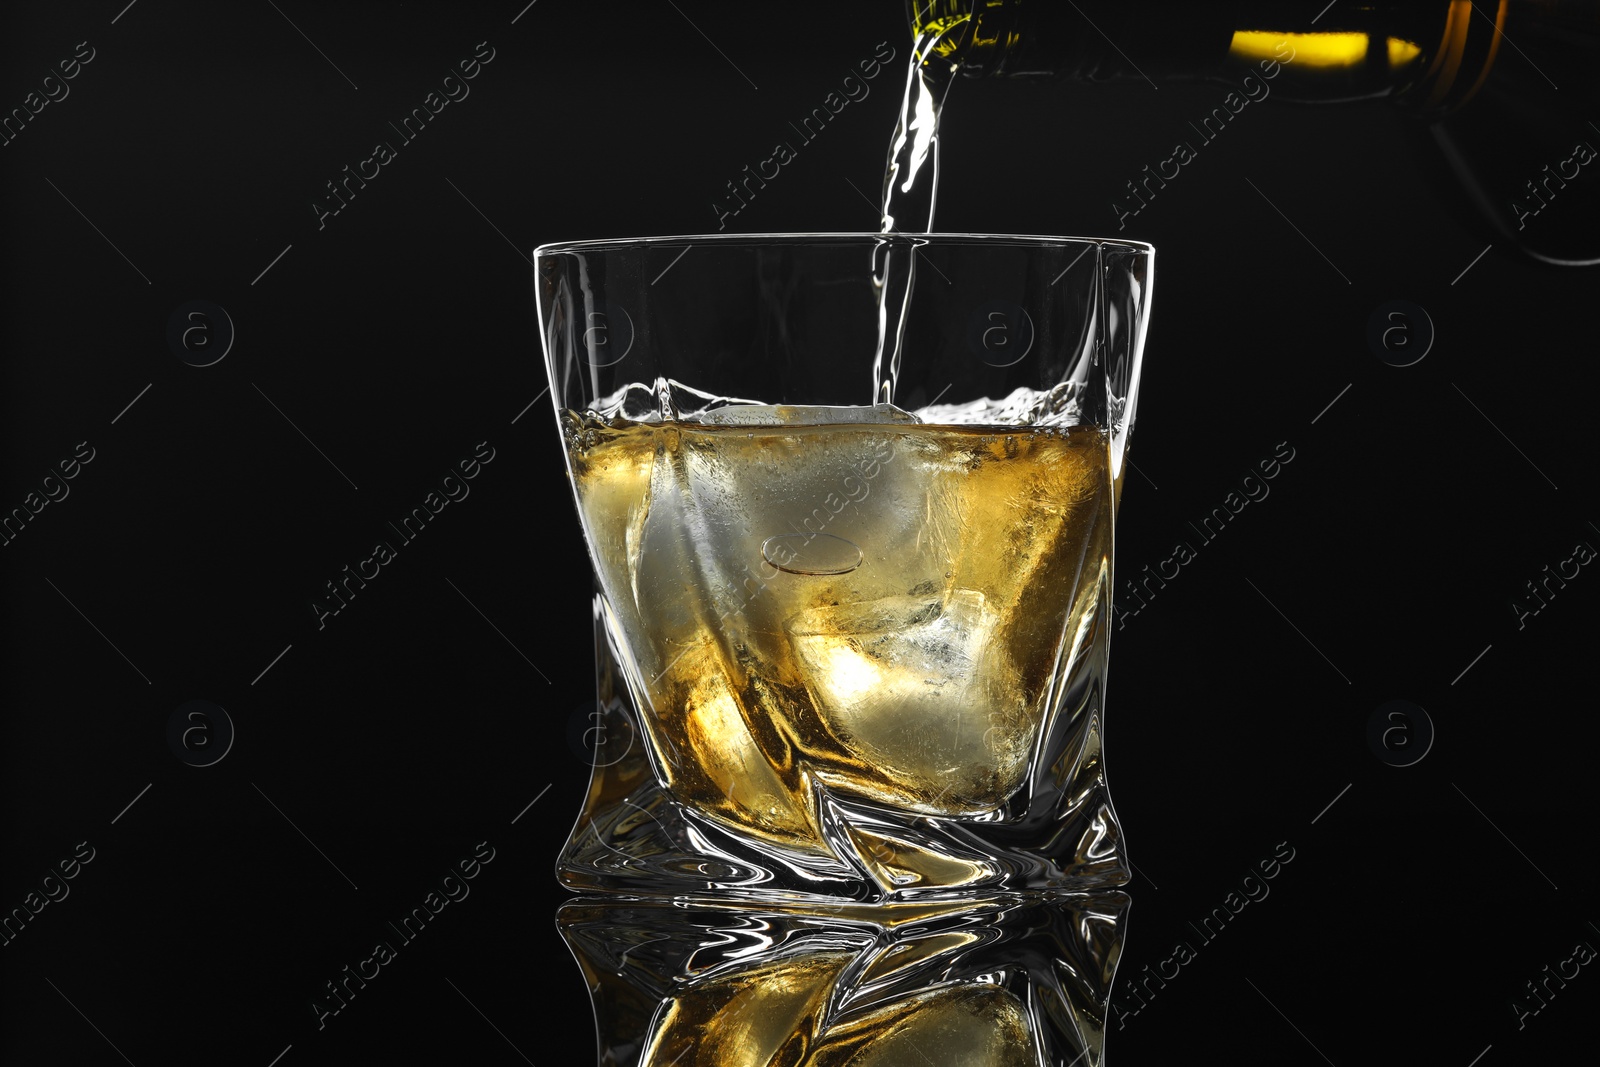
(836, 237)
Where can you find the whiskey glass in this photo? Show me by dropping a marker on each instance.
(849, 502)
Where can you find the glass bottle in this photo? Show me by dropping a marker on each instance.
(1506, 90)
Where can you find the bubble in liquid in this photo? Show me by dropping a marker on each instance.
(816, 554)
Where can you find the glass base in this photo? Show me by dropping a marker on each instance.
(1058, 832)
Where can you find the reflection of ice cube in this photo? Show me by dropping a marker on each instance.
(798, 415)
(921, 688)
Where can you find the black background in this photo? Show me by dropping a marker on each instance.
(428, 714)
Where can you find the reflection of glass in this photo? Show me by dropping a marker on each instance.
(1004, 981)
(853, 595)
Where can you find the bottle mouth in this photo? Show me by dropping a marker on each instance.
(979, 37)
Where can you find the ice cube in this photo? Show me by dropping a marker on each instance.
(920, 689)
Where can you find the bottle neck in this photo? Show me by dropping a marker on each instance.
(1429, 56)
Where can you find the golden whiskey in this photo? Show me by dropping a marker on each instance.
(879, 610)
